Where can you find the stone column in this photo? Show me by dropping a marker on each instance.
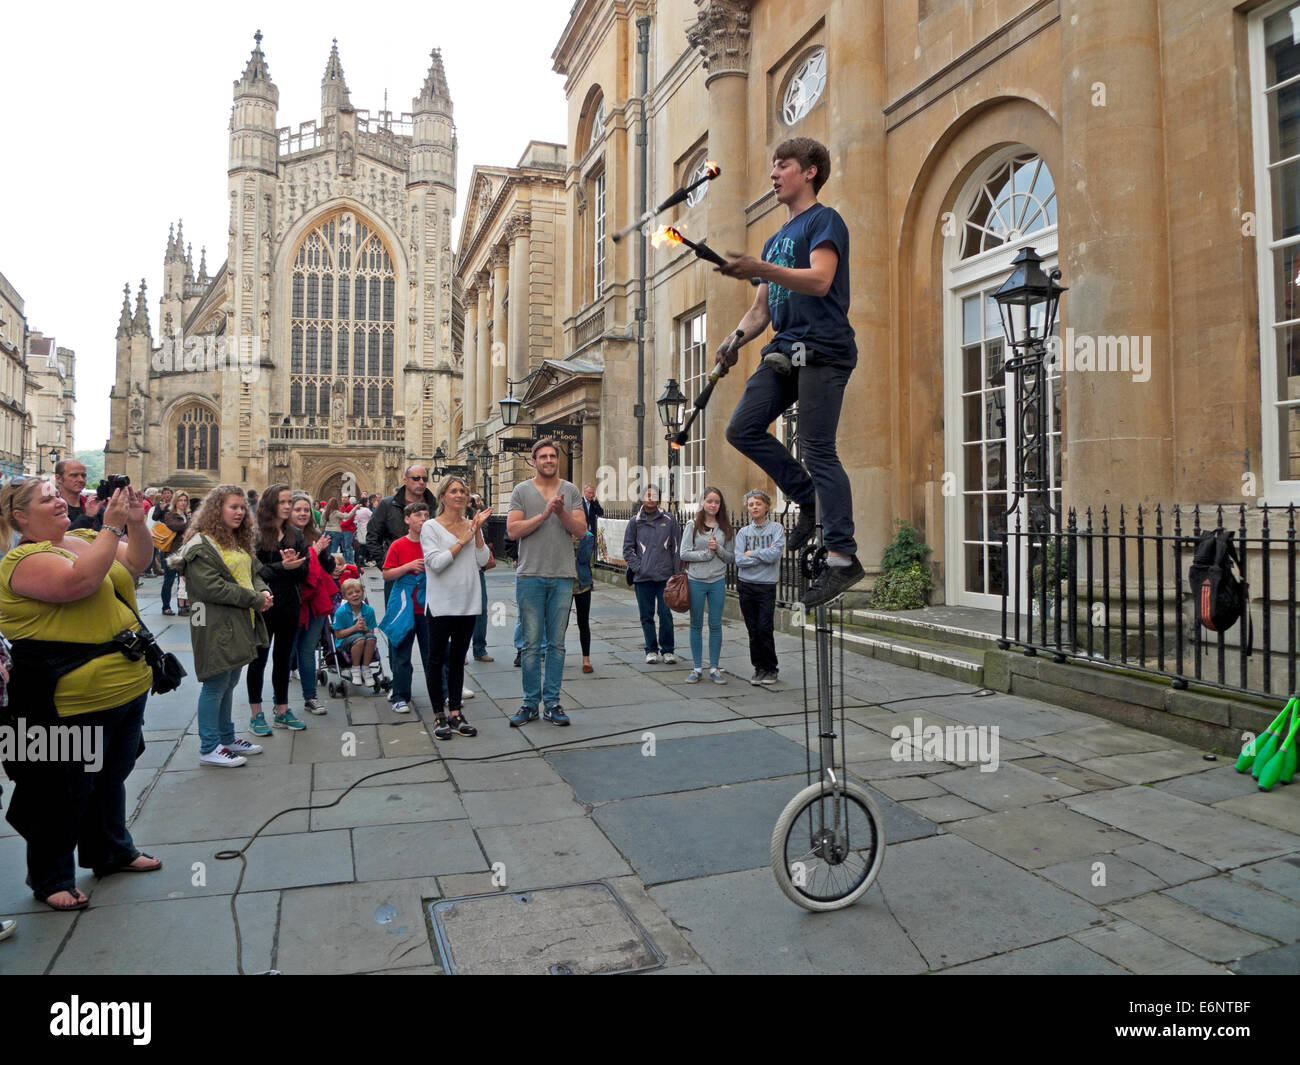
(520, 295)
(1114, 249)
(590, 449)
(483, 372)
(469, 363)
(721, 33)
(500, 327)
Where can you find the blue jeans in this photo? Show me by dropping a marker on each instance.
(819, 389)
(304, 654)
(519, 634)
(544, 604)
(648, 595)
(715, 594)
(169, 579)
(399, 657)
(480, 626)
(216, 702)
(343, 540)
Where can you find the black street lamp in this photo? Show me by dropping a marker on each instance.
(510, 407)
(671, 404)
(485, 459)
(40, 456)
(439, 460)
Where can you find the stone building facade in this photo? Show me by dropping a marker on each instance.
(1143, 146)
(15, 427)
(51, 407)
(322, 351)
(509, 266)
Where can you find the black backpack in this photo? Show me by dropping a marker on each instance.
(1219, 595)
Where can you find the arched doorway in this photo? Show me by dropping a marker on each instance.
(337, 486)
(1009, 203)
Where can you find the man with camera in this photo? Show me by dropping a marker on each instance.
(70, 480)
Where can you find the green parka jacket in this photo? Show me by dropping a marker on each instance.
(220, 631)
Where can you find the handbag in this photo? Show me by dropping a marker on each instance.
(163, 537)
(167, 669)
(492, 559)
(677, 593)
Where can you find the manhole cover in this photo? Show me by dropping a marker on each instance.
(578, 929)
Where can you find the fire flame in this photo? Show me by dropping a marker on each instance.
(711, 169)
(665, 235)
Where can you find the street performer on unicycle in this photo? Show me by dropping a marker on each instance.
(805, 297)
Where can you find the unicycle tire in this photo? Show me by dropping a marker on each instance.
(817, 866)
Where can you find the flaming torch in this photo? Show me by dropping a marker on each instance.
(668, 235)
(711, 170)
(678, 439)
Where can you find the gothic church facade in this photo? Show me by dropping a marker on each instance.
(323, 347)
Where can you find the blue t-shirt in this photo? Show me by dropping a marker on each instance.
(821, 323)
(345, 619)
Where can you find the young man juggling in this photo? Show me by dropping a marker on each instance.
(805, 298)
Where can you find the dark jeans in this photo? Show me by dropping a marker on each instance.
(449, 636)
(648, 595)
(399, 657)
(583, 602)
(758, 608)
(60, 807)
(819, 390)
(481, 622)
(169, 579)
(283, 629)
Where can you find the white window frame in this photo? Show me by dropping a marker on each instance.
(693, 454)
(598, 236)
(1276, 489)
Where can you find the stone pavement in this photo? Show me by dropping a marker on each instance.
(1093, 848)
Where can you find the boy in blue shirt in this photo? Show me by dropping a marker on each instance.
(354, 621)
(805, 297)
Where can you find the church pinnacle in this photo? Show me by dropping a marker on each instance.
(334, 86)
(140, 323)
(124, 323)
(435, 83)
(257, 70)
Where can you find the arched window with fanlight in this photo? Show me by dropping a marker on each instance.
(197, 438)
(1008, 204)
(342, 319)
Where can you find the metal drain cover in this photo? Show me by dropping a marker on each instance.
(574, 930)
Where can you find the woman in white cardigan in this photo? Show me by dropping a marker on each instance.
(453, 552)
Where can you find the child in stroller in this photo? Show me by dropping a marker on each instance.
(353, 643)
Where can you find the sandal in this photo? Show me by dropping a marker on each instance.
(80, 901)
(129, 866)
(463, 727)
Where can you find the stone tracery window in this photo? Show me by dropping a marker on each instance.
(693, 174)
(342, 319)
(804, 88)
(197, 438)
(597, 131)
(1017, 199)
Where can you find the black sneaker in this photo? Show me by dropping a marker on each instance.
(441, 729)
(519, 658)
(834, 582)
(462, 727)
(803, 528)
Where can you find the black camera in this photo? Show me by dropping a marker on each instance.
(111, 484)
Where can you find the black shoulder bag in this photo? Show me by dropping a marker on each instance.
(167, 669)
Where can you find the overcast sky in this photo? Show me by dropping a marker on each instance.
(116, 116)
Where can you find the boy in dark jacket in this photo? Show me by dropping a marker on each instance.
(651, 547)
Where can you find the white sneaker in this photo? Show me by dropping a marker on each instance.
(401, 707)
(293, 674)
(468, 693)
(242, 746)
(221, 756)
(8, 928)
(652, 659)
(670, 659)
(356, 676)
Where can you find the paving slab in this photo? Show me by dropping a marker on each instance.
(1068, 773)
(393, 805)
(657, 924)
(1279, 875)
(1142, 952)
(1213, 835)
(522, 806)
(1214, 785)
(1060, 957)
(212, 803)
(1103, 878)
(1169, 866)
(678, 765)
(1149, 765)
(1243, 906)
(1096, 741)
(888, 769)
(1189, 928)
(433, 848)
(1016, 718)
(1281, 961)
(32, 947)
(355, 928)
(171, 937)
(562, 852)
(860, 744)
(1040, 836)
(334, 744)
(958, 903)
(504, 774)
(1006, 788)
(904, 788)
(335, 776)
(1277, 808)
(944, 808)
(761, 931)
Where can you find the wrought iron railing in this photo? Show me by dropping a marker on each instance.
(1115, 588)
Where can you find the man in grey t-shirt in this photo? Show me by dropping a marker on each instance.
(543, 517)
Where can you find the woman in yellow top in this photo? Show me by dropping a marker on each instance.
(63, 596)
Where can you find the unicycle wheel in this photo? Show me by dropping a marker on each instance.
(812, 560)
(828, 846)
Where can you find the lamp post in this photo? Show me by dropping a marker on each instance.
(439, 460)
(1028, 302)
(671, 404)
(485, 458)
(40, 456)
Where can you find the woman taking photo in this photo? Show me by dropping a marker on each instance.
(708, 547)
(176, 519)
(282, 562)
(453, 552)
(217, 561)
(64, 597)
(317, 598)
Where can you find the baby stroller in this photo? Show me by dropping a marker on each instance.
(333, 664)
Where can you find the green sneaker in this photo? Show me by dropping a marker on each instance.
(257, 725)
(287, 720)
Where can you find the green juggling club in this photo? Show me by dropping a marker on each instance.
(1283, 763)
(1249, 752)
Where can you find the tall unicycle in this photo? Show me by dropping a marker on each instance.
(829, 842)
